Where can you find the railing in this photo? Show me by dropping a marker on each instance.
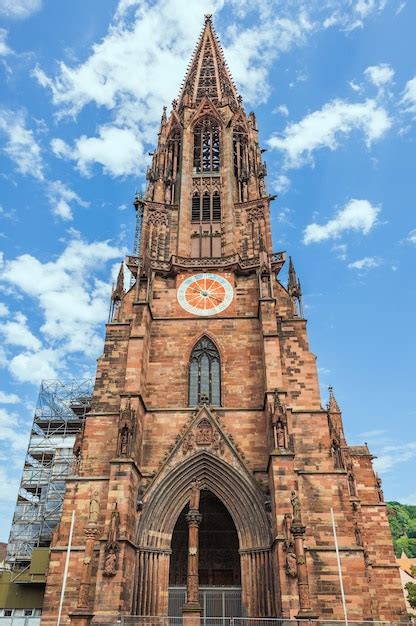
(160, 620)
(17, 620)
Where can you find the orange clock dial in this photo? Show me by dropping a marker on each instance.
(205, 294)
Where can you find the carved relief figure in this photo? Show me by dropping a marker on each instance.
(204, 433)
(188, 443)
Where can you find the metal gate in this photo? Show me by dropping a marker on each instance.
(217, 603)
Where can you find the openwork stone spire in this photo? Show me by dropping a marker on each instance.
(208, 73)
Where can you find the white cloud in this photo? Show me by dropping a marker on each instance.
(4, 48)
(33, 367)
(411, 237)
(16, 333)
(72, 300)
(19, 9)
(357, 215)
(323, 129)
(281, 184)
(282, 109)
(409, 96)
(379, 75)
(3, 309)
(354, 86)
(21, 146)
(340, 250)
(9, 398)
(394, 455)
(162, 36)
(11, 430)
(368, 262)
(118, 150)
(60, 196)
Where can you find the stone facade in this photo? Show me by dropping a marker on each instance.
(268, 451)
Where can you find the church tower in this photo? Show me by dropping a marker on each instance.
(207, 467)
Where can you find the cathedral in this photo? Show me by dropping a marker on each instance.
(206, 470)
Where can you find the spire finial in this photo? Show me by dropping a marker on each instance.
(208, 18)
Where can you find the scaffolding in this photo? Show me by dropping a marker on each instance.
(59, 416)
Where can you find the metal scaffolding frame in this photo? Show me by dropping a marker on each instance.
(59, 416)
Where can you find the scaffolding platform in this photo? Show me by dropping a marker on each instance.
(59, 416)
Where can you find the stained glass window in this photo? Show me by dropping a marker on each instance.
(204, 373)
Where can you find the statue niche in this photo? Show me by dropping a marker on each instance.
(126, 430)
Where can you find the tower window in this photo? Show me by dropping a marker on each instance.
(207, 146)
(206, 213)
(216, 207)
(204, 373)
(196, 208)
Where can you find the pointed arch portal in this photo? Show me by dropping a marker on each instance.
(234, 498)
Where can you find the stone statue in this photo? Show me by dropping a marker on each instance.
(287, 523)
(379, 489)
(195, 495)
(114, 526)
(139, 499)
(351, 484)
(291, 564)
(110, 564)
(94, 509)
(280, 435)
(294, 499)
(124, 441)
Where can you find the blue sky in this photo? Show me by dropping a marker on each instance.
(333, 86)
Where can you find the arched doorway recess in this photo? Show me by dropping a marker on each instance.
(219, 561)
(164, 502)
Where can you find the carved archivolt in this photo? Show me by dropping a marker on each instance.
(165, 500)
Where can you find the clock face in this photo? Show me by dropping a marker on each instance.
(205, 294)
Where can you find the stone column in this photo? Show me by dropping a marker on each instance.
(298, 531)
(83, 615)
(305, 609)
(192, 609)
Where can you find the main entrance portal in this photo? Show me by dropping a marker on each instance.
(219, 561)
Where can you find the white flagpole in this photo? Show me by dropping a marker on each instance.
(341, 584)
(68, 553)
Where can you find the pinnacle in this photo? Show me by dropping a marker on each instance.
(332, 406)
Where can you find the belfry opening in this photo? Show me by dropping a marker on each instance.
(219, 570)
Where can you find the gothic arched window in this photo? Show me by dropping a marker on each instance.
(207, 146)
(204, 374)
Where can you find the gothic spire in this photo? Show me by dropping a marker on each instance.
(208, 73)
